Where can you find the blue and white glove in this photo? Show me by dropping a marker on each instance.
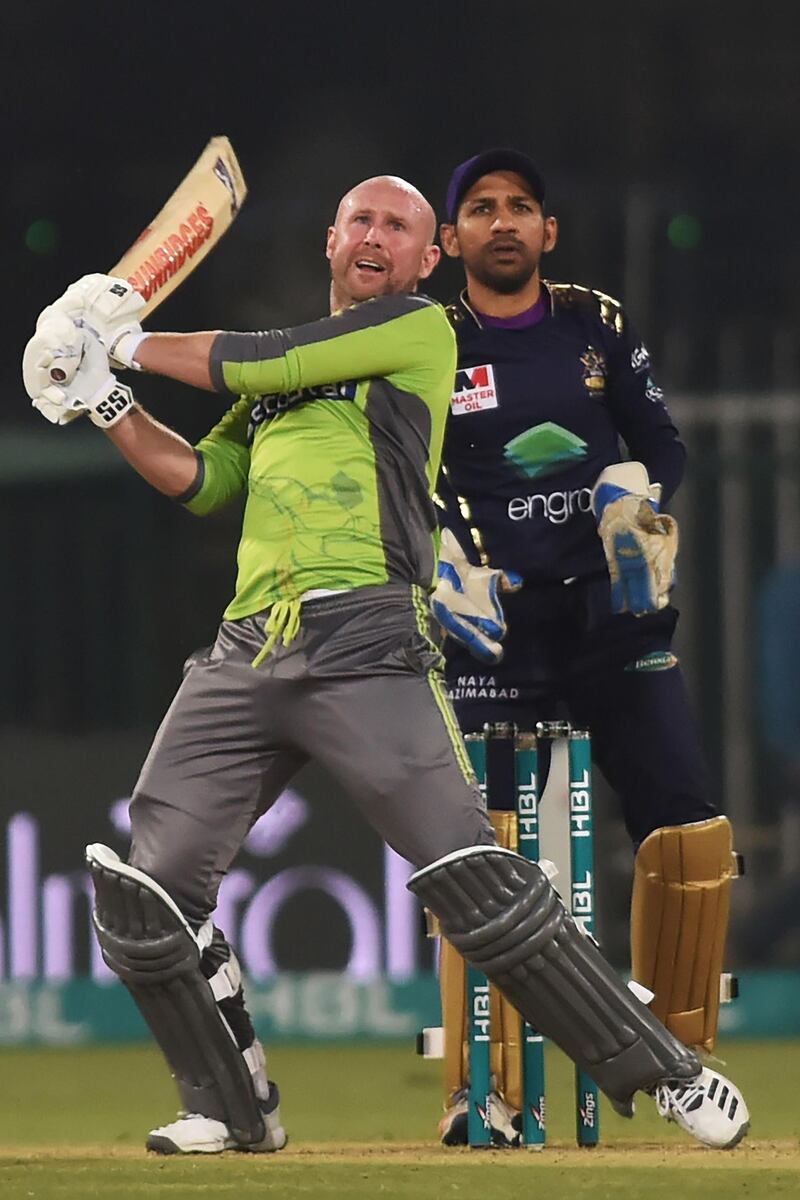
(466, 602)
(640, 543)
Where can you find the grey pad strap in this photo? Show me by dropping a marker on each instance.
(147, 942)
(501, 913)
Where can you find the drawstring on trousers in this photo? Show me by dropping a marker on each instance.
(283, 622)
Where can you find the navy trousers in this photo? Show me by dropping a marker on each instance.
(567, 656)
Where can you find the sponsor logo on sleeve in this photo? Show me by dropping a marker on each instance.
(653, 391)
(474, 390)
(640, 358)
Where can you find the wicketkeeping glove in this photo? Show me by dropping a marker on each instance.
(109, 307)
(466, 601)
(65, 371)
(640, 543)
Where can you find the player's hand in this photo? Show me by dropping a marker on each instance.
(109, 307)
(53, 353)
(466, 601)
(59, 348)
(640, 543)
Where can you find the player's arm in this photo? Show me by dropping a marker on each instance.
(377, 338)
(640, 415)
(388, 336)
(184, 357)
(205, 478)
(158, 454)
(640, 542)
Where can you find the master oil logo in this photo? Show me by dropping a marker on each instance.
(594, 371)
(544, 449)
(474, 390)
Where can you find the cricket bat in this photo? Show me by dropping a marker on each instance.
(188, 227)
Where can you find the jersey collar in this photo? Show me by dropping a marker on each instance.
(463, 300)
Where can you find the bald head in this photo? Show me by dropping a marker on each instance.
(381, 241)
(393, 188)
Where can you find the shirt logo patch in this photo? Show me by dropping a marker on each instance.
(474, 390)
(544, 449)
(594, 371)
(657, 660)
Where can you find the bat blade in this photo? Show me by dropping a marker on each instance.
(187, 228)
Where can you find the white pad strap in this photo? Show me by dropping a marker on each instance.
(225, 983)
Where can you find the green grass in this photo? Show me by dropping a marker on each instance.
(362, 1122)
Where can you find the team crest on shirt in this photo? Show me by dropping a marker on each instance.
(474, 390)
(594, 371)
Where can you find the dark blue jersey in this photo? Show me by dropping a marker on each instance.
(536, 415)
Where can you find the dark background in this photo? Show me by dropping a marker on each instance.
(636, 111)
(668, 135)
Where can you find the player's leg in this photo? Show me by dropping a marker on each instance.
(211, 772)
(505, 1031)
(516, 691)
(500, 911)
(393, 746)
(645, 742)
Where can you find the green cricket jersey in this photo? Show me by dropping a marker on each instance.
(336, 439)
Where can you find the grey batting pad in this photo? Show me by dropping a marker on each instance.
(501, 913)
(147, 942)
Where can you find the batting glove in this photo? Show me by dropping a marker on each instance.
(109, 307)
(65, 371)
(466, 601)
(640, 543)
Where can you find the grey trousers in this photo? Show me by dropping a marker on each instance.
(358, 691)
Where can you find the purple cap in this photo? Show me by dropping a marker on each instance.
(502, 159)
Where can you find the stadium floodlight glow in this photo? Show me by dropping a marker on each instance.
(685, 231)
(41, 237)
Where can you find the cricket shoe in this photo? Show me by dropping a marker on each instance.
(710, 1108)
(505, 1121)
(195, 1134)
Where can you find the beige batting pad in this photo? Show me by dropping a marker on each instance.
(679, 922)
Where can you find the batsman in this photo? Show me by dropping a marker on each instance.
(333, 436)
(555, 577)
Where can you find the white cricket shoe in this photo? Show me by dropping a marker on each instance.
(195, 1134)
(505, 1121)
(710, 1108)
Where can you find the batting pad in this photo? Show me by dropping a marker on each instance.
(679, 924)
(505, 1023)
(147, 942)
(500, 911)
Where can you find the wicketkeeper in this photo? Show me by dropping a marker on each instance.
(555, 577)
(334, 436)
